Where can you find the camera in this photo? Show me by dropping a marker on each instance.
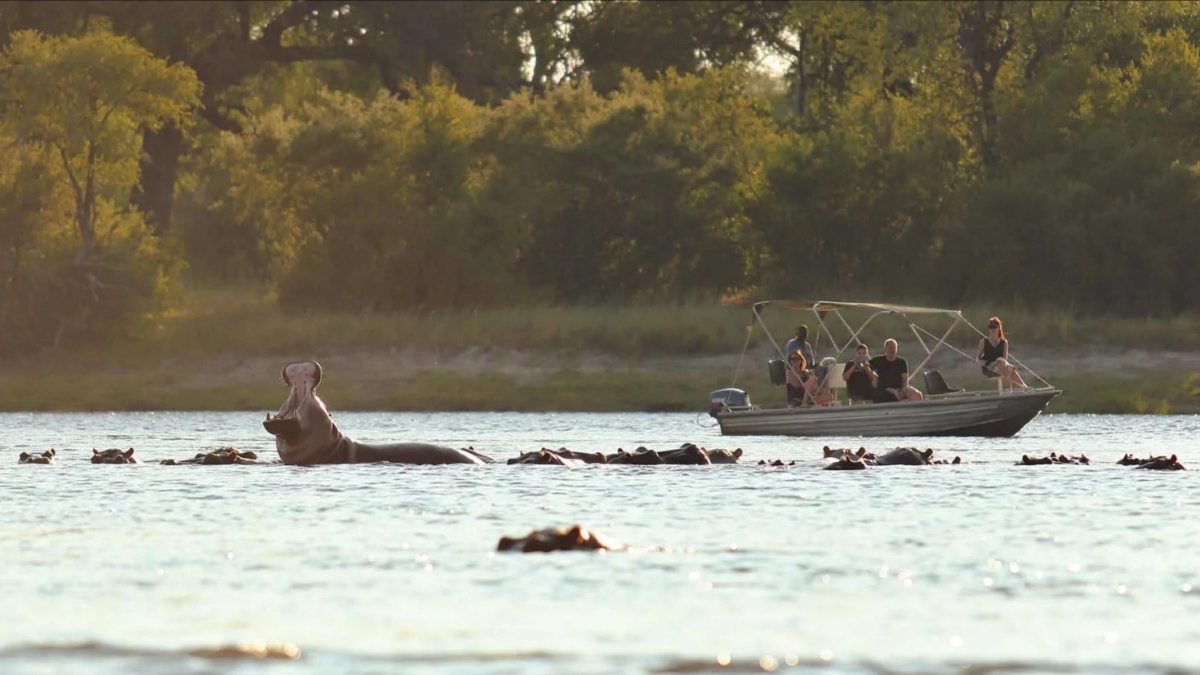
(861, 360)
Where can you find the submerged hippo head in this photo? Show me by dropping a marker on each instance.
(218, 456)
(837, 453)
(847, 462)
(46, 457)
(575, 538)
(113, 456)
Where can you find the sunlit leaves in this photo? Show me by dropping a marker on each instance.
(84, 103)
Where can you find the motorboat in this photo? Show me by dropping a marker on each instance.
(991, 410)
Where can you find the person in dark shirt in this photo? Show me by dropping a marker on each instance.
(993, 355)
(800, 343)
(893, 373)
(860, 379)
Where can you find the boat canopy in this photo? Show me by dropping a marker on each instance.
(825, 310)
(824, 306)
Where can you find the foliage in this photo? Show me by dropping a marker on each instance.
(82, 103)
(419, 156)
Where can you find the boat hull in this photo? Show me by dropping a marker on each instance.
(976, 414)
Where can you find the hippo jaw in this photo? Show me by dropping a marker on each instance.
(302, 379)
(304, 432)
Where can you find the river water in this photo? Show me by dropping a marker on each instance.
(985, 567)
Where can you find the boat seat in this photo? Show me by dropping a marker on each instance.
(936, 384)
(995, 377)
(833, 374)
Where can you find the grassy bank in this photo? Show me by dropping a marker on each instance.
(222, 351)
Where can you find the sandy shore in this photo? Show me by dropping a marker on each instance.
(406, 378)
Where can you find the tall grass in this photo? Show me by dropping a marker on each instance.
(157, 370)
(249, 323)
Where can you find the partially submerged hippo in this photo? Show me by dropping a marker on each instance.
(113, 456)
(575, 538)
(1161, 463)
(46, 457)
(217, 457)
(776, 463)
(545, 456)
(847, 462)
(1053, 458)
(688, 453)
(860, 459)
(305, 433)
(837, 453)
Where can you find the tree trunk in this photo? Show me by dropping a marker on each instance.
(985, 38)
(154, 194)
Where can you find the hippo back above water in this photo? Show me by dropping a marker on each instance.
(576, 538)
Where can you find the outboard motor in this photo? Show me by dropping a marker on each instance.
(727, 399)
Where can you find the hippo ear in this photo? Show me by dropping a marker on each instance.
(24, 455)
(928, 453)
(737, 453)
(128, 453)
(95, 452)
(1174, 459)
(52, 452)
(861, 452)
(577, 534)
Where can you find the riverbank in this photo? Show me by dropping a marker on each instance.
(223, 350)
(515, 380)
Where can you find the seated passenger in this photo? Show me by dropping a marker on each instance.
(801, 385)
(861, 381)
(892, 373)
(993, 356)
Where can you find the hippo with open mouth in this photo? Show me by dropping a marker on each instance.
(305, 433)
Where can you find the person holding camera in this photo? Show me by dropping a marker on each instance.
(861, 380)
(993, 356)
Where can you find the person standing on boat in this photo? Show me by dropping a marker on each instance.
(993, 355)
(861, 381)
(800, 343)
(801, 385)
(892, 372)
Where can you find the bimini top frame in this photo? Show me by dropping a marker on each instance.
(827, 312)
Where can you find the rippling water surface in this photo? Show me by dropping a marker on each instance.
(982, 567)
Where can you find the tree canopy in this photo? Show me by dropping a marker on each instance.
(410, 156)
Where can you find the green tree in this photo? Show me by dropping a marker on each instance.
(370, 205)
(640, 195)
(83, 102)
